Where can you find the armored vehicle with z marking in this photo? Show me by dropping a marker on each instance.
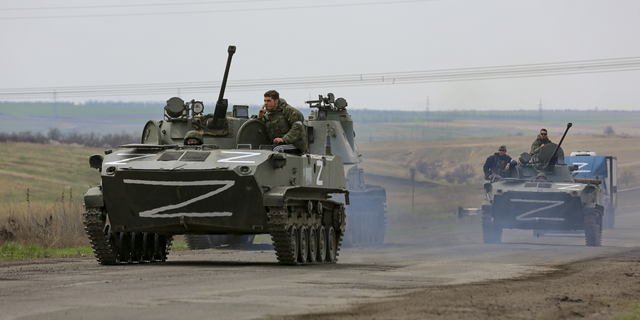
(366, 212)
(540, 193)
(231, 183)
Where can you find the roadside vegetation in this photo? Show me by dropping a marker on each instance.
(42, 185)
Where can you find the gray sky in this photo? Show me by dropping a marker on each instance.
(121, 44)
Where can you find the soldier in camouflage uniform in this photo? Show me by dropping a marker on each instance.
(540, 142)
(193, 137)
(498, 164)
(283, 122)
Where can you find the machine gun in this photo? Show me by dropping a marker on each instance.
(554, 157)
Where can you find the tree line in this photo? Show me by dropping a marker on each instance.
(110, 140)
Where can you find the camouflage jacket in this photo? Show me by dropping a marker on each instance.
(495, 164)
(535, 146)
(286, 122)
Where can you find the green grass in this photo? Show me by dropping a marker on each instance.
(632, 312)
(13, 251)
(46, 171)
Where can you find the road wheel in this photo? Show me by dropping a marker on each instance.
(332, 245)
(322, 244)
(304, 244)
(313, 245)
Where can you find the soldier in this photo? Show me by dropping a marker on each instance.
(283, 122)
(540, 142)
(193, 137)
(498, 164)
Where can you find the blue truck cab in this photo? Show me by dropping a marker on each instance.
(588, 165)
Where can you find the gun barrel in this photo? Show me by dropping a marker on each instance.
(560, 143)
(221, 104)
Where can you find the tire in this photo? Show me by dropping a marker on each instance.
(609, 219)
(593, 234)
(197, 242)
(491, 230)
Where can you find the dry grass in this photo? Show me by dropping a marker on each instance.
(56, 225)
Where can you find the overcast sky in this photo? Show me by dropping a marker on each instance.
(75, 44)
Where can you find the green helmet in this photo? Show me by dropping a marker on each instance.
(193, 134)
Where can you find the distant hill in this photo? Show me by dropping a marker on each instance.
(370, 125)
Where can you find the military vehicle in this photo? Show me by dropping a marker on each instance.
(233, 184)
(366, 212)
(603, 168)
(541, 193)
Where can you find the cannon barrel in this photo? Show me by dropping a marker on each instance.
(222, 104)
(554, 158)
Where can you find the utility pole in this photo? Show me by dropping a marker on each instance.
(540, 111)
(412, 173)
(55, 103)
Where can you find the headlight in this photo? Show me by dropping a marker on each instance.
(198, 107)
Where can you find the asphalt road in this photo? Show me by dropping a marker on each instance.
(229, 284)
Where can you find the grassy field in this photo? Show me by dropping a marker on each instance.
(45, 173)
(41, 186)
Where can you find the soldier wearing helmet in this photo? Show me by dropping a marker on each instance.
(193, 137)
(498, 164)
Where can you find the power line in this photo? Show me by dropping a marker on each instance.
(213, 11)
(134, 5)
(370, 79)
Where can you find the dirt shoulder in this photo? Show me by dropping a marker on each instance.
(594, 289)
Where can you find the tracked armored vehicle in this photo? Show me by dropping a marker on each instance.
(233, 184)
(366, 212)
(540, 193)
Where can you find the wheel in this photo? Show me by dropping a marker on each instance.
(313, 245)
(491, 230)
(322, 244)
(197, 242)
(593, 233)
(147, 246)
(609, 219)
(160, 248)
(124, 247)
(303, 252)
(293, 237)
(136, 247)
(332, 245)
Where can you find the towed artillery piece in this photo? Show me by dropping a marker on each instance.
(231, 184)
(540, 193)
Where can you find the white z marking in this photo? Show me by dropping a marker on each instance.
(581, 164)
(553, 204)
(234, 159)
(318, 181)
(122, 161)
(155, 213)
(568, 186)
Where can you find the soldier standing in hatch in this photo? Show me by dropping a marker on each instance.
(540, 142)
(283, 122)
(498, 164)
(193, 137)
